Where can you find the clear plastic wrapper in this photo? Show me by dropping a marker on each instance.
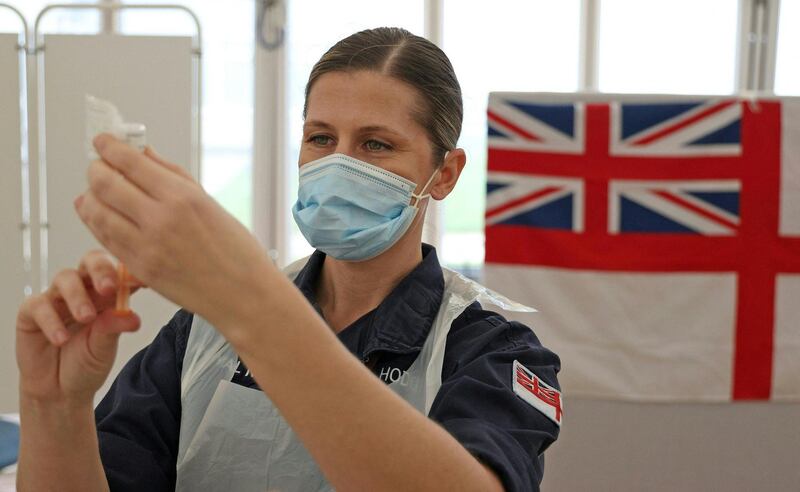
(103, 117)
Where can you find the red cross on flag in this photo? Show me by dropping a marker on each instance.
(659, 237)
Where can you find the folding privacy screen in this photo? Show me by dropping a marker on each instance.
(153, 80)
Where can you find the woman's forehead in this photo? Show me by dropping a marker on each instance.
(363, 99)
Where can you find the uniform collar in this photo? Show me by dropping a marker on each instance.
(401, 322)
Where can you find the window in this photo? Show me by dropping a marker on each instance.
(508, 46)
(313, 26)
(787, 76)
(679, 46)
(57, 20)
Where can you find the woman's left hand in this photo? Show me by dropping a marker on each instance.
(173, 236)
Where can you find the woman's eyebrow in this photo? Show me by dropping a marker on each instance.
(364, 129)
(316, 124)
(379, 128)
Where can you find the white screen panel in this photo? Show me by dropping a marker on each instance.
(150, 80)
(13, 277)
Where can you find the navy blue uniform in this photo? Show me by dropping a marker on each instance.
(138, 421)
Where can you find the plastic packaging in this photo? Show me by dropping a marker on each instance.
(103, 117)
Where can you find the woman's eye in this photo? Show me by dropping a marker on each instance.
(375, 145)
(320, 140)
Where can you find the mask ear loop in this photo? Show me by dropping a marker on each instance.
(430, 180)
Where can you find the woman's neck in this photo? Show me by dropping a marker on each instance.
(347, 290)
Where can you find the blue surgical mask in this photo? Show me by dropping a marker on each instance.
(352, 210)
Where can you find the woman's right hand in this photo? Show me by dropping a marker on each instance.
(66, 338)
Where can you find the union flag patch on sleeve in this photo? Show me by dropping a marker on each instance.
(537, 393)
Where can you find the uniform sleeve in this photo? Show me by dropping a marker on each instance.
(138, 420)
(477, 404)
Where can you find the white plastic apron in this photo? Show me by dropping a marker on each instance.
(233, 438)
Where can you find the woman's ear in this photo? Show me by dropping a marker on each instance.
(454, 163)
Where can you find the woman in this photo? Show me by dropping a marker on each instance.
(352, 347)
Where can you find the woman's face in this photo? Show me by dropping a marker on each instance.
(367, 115)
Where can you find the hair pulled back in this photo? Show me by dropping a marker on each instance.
(413, 60)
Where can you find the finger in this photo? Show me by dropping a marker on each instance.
(151, 177)
(104, 333)
(113, 230)
(114, 322)
(151, 153)
(99, 267)
(47, 320)
(114, 190)
(68, 286)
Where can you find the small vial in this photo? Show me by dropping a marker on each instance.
(123, 291)
(135, 135)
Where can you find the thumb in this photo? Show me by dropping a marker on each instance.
(105, 330)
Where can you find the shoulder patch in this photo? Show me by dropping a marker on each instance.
(537, 393)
